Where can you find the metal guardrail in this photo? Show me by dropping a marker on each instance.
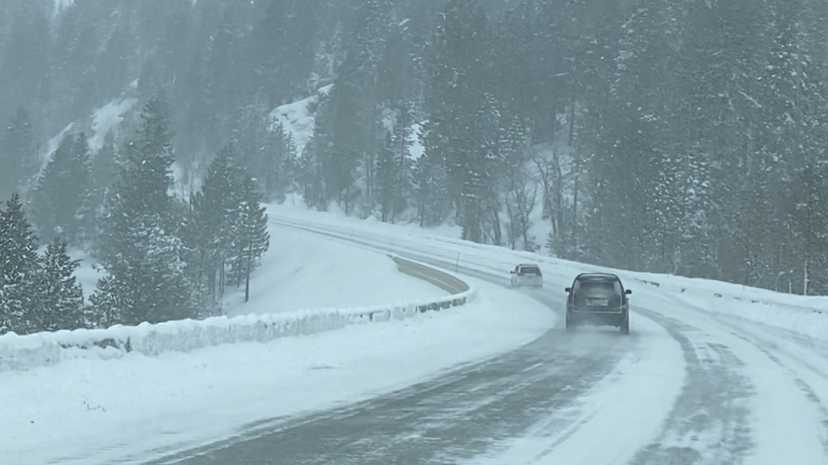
(441, 279)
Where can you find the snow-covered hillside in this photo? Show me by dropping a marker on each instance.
(302, 271)
(298, 118)
(305, 271)
(108, 118)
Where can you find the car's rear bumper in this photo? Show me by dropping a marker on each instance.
(529, 282)
(607, 317)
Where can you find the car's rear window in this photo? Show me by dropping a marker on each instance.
(601, 285)
(592, 288)
(530, 270)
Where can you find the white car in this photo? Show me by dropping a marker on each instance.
(527, 275)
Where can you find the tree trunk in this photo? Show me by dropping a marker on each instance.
(498, 233)
(211, 282)
(400, 172)
(557, 206)
(572, 121)
(221, 278)
(510, 212)
(369, 179)
(524, 228)
(247, 276)
(574, 243)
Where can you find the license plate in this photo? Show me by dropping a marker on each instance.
(597, 301)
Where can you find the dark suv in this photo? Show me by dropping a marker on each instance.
(598, 298)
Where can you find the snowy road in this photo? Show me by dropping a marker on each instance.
(464, 412)
(690, 386)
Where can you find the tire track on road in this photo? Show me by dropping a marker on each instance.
(709, 423)
(786, 414)
(436, 425)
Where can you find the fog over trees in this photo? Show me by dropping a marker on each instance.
(683, 137)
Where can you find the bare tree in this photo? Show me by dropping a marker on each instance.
(551, 179)
(521, 195)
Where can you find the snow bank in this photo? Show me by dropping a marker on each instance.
(43, 349)
(807, 316)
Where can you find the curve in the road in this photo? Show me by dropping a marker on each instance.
(457, 416)
(443, 421)
(558, 390)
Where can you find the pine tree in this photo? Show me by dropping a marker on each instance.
(216, 212)
(809, 225)
(459, 80)
(278, 155)
(60, 295)
(62, 196)
(287, 33)
(18, 161)
(722, 61)
(265, 148)
(388, 179)
(104, 175)
(348, 128)
(251, 239)
(19, 267)
(636, 212)
(349, 141)
(430, 185)
(24, 53)
(316, 165)
(110, 304)
(139, 248)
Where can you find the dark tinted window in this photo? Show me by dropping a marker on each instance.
(591, 288)
(530, 270)
(606, 286)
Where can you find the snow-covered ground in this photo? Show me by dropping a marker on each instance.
(108, 118)
(87, 273)
(305, 271)
(105, 119)
(96, 411)
(298, 118)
